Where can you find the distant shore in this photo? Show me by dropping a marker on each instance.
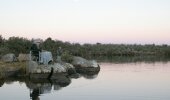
(19, 45)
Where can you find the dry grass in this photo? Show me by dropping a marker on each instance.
(13, 64)
(6, 66)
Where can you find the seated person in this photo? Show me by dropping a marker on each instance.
(35, 51)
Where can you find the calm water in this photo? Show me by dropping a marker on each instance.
(115, 81)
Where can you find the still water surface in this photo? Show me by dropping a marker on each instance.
(115, 81)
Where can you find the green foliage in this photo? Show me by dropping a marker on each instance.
(67, 57)
(22, 45)
(49, 45)
(18, 45)
(167, 52)
(4, 50)
(2, 40)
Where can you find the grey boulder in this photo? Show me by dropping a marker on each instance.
(85, 66)
(9, 58)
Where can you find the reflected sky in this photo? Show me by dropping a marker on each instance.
(116, 81)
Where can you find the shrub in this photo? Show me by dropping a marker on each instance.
(67, 57)
(167, 52)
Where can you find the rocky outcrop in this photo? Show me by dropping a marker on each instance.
(70, 69)
(9, 58)
(80, 65)
(32, 67)
(85, 66)
(58, 67)
(49, 71)
(23, 57)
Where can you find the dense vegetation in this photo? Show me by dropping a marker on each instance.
(14, 45)
(22, 45)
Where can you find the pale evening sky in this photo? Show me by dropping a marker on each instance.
(88, 21)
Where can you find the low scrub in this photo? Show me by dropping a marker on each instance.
(6, 66)
(67, 57)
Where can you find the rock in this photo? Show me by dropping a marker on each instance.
(71, 71)
(84, 66)
(32, 67)
(60, 79)
(9, 58)
(69, 68)
(62, 67)
(74, 76)
(59, 68)
(90, 76)
(79, 61)
(10, 72)
(41, 71)
(88, 70)
(2, 82)
(23, 57)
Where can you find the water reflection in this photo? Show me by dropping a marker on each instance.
(35, 94)
(90, 76)
(37, 87)
(116, 81)
(1, 82)
(133, 59)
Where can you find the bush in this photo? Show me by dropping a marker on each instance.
(67, 57)
(167, 52)
(4, 50)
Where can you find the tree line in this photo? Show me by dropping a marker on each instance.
(19, 45)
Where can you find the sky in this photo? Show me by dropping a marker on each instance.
(88, 21)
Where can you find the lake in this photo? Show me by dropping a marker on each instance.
(116, 81)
